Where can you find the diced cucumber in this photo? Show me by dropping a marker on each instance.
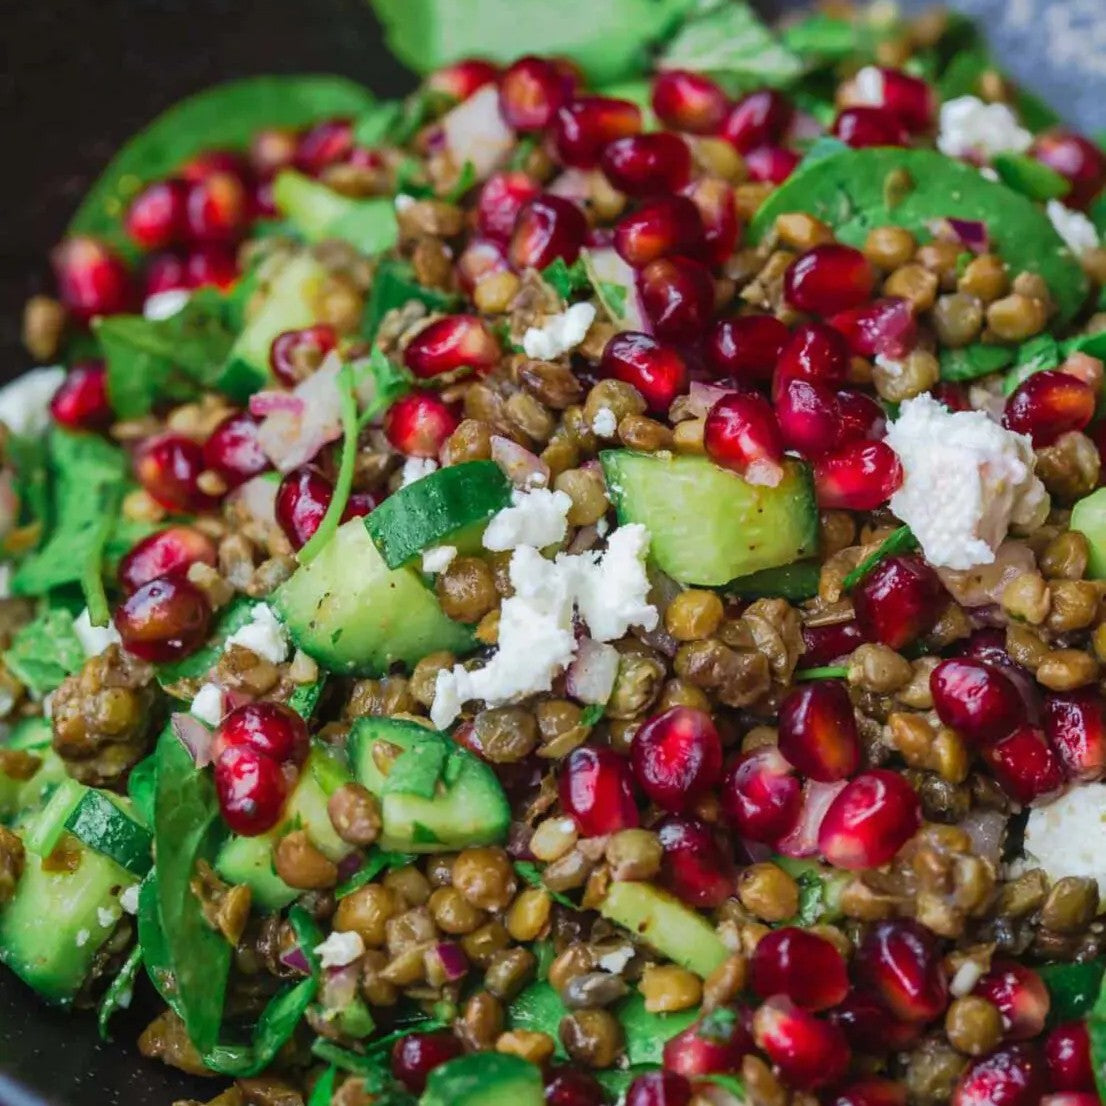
(706, 524)
(318, 213)
(1088, 516)
(30, 733)
(352, 614)
(435, 796)
(795, 582)
(484, 1079)
(449, 507)
(19, 793)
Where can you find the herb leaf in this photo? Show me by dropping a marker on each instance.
(1072, 988)
(393, 286)
(417, 770)
(45, 651)
(567, 279)
(901, 541)
(118, 994)
(379, 861)
(530, 872)
(974, 361)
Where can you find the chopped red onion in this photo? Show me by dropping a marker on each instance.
(803, 839)
(590, 678)
(256, 498)
(970, 233)
(452, 961)
(349, 865)
(194, 736)
(267, 403)
(340, 985)
(523, 468)
(296, 959)
(292, 438)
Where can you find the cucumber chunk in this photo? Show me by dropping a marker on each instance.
(484, 1079)
(449, 507)
(353, 615)
(436, 796)
(19, 792)
(1088, 516)
(318, 213)
(706, 524)
(100, 822)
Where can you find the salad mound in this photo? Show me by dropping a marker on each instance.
(581, 586)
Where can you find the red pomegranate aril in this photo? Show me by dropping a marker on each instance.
(359, 504)
(659, 228)
(746, 347)
(164, 619)
(165, 272)
(869, 821)
(801, 965)
(677, 294)
(717, 209)
(418, 423)
(913, 100)
(165, 553)
(1076, 158)
(156, 216)
(81, 403)
(773, 164)
(301, 502)
(271, 729)
(1011, 1076)
(567, 1086)
(92, 279)
(1020, 995)
(1049, 404)
(596, 791)
(480, 259)
(980, 702)
(1072, 1098)
(324, 144)
(1075, 724)
(234, 450)
(860, 127)
(214, 265)
(530, 93)
(808, 1052)
(655, 369)
(815, 351)
(1025, 765)
(900, 963)
(859, 476)
(677, 757)
(461, 79)
(695, 868)
(869, 1027)
(659, 1088)
(642, 164)
(502, 197)
(885, 326)
(455, 342)
(272, 149)
(217, 209)
(168, 466)
(809, 416)
(758, 119)
(823, 644)
(762, 796)
(583, 128)
(818, 732)
(862, 418)
(898, 600)
(741, 433)
(715, 1043)
(871, 1091)
(295, 354)
(1068, 1055)
(546, 228)
(251, 789)
(686, 101)
(204, 164)
(828, 279)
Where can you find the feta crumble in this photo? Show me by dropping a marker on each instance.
(868, 87)
(5, 580)
(1077, 231)
(94, 639)
(164, 305)
(966, 480)
(82, 938)
(604, 425)
(612, 589)
(969, 126)
(264, 635)
(537, 517)
(415, 468)
(559, 333)
(128, 900)
(617, 959)
(207, 706)
(25, 402)
(106, 917)
(340, 949)
(438, 558)
(1065, 837)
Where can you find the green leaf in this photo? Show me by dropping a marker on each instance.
(140, 788)
(119, 992)
(1036, 355)
(380, 860)
(27, 455)
(822, 147)
(1030, 177)
(394, 285)
(389, 382)
(531, 873)
(1096, 1029)
(567, 279)
(375, 125)
(418, 770)
(972, 362)
(1072, 988)
(591, 714)
(613, 296)
(795, 581)
(323, 1090)
(821, 37)
(45, 651)
(826, 672)
(901, 541)
(812, 899)
(718, 1025)
(730, 1083)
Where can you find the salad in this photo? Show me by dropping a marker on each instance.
(584, 585)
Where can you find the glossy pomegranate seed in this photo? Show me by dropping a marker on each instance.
(827, 279)
(862, 418)
(296, 354)
(656, 370)
(1025, 765)
(860, 476)
(686, 101)
(869, 821)
(886, 326)
(455, 342)
(81, 403)
(573, 1087)
(801, 965)
(758, 119)
(166, 552)
(168, 466)
(815, 351)
(461, 79)
(823, 644)
(869, 1027)
(217, 209)
(898, 600)
(659, 1088)
(156, 216)
(773, 164)
(208, 162)
(715, 200)
(272, 149)
(818, 732)
(501, 198)
(251, 789)
(163, 620)
(596, 791)
(92, 279)
(742, 434)
(1068, 1055)
(214, 265)
(762, 796)
(418, 424)
(165, 272)
(860, 127)
(1076, 158)
(234, 450)
(659, 228)
(715, 1043)
(642, 164)
(696, 867)
(746, 347)
(954, 396)
(548, 227)
(978, 701)
(530, 93)
(1012, 1076)
(324, 144)
(301, 502)
(1072, 1098)
(871, 1091)
(1020, 995)
(908, 97)
(809, 416)
(808, 1052)
(678, 296)
(1075, 723)
(1049, 404)
(900, 963)
(584, 127)
(271, 729)
(677, 757)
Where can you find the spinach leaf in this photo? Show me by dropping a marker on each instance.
(27, 455)
(567, 279)
(614, 296)
(198, 664)
(323, 1090)
(823, 38)
(379, 860)
(1034, 356)
(140, 788)
(795, 581)
(1072, 988)
(1096, 1029)
(395, 285)
(531, 873)
(45, 651)
(119, 992)
(901, 541)
(375, 125)
(972, 362)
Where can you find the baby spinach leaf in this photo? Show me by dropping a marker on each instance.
(567, 279)
(380, 860)
(1096, 1029)
(1072, 988)
(45, 651)
(140, 788)
(395, 285)
(820, 38)
(1034, 356)
(27, 455)
(323, 1090)
(376, 124)
(974, 361)
(826, 672)
(119, 992)
(613, 296)
(794, 581)
(1030, 177)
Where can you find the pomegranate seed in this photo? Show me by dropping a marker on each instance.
(596, 791)
(81, 403)
(695, 868)
(163, 620)
(164, 553)
(324, 144)
(802, 841)
(869, 1028)
(251, 789)
(204, 164)
(659, 228)
(641, 164)
(271, 729)
(584, 127)
(908, 97)
(898, 600)
(455, 342)
(815, 352)
(358, 505)
(1072, 1098)
(758, 119)
(678, 297)
(1077, 159)
(828, 279)
(809, 1053)
(480, 258)
(818, 731)
(656, 370)
(801, 965)
(715, 1043)
(659, 1088)
(1012, 1076)
(234, 450)
(860, 127)
(296, 354)
(677, 757)
(954, 396)
(869, 821)
(530, 93)
(216, 209)
(885, 326)
(572, 1087)
(717, 209)
(742, 434)
(548, 227)
(900, 963)
(461, 79)
(92, 279)
(1075, 723)
(301, 502)
(824, 644)
(976, 700)
(501, 198)
(165, 272)
(762, 796)
(860, 476)
(214, 265)
(1025, 765)
(156, 216)
(1068, 1055)
(686, 101)
(862, 418)
(1020, 995)
(871, 1091)
(272, 149)
(747, 347)
(168, 466)
(418, 424)
(1049, 404)
(773, 164)
(809, 416)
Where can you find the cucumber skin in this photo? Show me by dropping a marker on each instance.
(1088, 516)
(484, 1079)
(105, 827)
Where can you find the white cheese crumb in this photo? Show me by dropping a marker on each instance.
(987, 173)
(559, 333)
(128, 900)
(82, 938)
(106, 917)
(5, 580)
(94, 639)
(594, 672)
(966, 480)
(264, 635)
(612, 591)
(164, 305)
(25, 402)
(340, 949)
(971, 127)
(1077, 231)
(1065, 836)
(604, 425)
(438, 558)
(415, 468)
(868, 87)
(207, 706)
(48, 705)
(967, 976)
(403, 201)
(602, 527)
(617, 959)
(538, 517)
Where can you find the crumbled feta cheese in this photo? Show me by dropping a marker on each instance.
(5, 580)
(1065, 837)
(593, 673)
(1077, 231)
(966, 480)
(987, 173)
(403, 201)
(602, 527)
(612, 592)
(340, 949)
(970, 126)
(967, 976)
(128, 900)
(415, 468)
(538, 517)
(264, 635)
(207, 706)
(559, 333)
(25, 402)
(438, 558)
(48, 705)
(617, 959)
(164, 305)
(82, 938)
(106, 917)
(604, 424)
(868, 87)
(94, 639)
